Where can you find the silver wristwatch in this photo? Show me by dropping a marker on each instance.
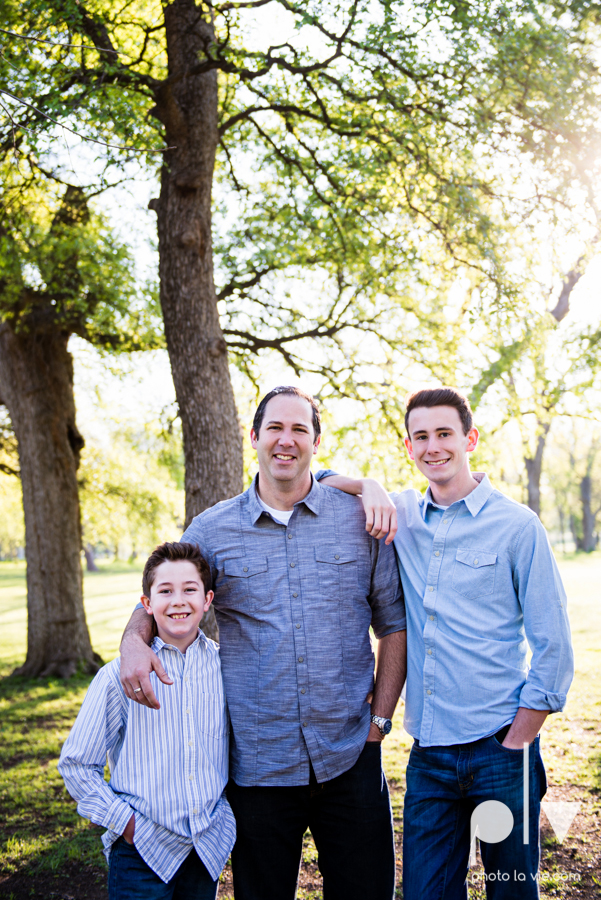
(383, 725)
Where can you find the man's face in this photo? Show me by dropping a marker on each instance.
(437, 443)
(286, 440)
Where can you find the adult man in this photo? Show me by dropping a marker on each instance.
(478, 576)
(298, 582)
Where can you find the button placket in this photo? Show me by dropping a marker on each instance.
(190, 726)
(298, 633)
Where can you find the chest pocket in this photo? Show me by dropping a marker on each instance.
(474, 573)
(245, 584)
(337, 572)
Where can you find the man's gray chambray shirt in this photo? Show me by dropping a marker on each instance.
(294, 605)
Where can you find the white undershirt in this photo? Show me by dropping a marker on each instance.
(280, 515)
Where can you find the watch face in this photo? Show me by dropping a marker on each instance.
(386, 726)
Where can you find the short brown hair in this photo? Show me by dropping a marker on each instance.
(295, 392)
(175, 552)
(443, 396)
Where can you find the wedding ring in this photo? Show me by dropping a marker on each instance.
(136, 690)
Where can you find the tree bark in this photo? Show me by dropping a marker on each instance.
(534, 467)
(187, 106)
(36, 383)
(589, 538)
(88, 552)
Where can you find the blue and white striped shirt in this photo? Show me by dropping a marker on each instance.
(168, 766)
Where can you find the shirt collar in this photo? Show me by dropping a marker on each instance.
(312, 501)
(158, 643)
(474, 500)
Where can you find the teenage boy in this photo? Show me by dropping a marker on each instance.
(298, 583)
(170, 827)
(479, 580)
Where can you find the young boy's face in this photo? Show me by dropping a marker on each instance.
(177, 601)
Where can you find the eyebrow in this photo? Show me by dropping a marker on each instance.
(294, 425)
(440, 428)
(170, 583)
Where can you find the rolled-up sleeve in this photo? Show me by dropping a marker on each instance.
(386, 595)
(543, 600)
(97, 729)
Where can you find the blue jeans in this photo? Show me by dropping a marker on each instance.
(444, 787)
(351, 823)
(130, 878)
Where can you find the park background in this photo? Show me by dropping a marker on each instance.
(361, 198)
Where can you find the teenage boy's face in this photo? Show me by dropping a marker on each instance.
(437, 443)
(177, 601)
(286, 440)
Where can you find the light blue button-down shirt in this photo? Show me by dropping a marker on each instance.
(294, 605)
(168, 766)
(480, 584)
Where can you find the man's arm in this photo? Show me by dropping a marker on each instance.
(138, 660)
(391, 669)
(525, 727)
(380, 511)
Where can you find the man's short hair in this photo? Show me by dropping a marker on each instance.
(175, 552)
(295, 392)
(443, 396)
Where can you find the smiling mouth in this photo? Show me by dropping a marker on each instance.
(179, 615)
(283, 457)
(437, 462)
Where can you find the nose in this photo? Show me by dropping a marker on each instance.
(286, 439)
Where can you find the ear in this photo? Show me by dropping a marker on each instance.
(409, 449)
(472, 439)
(254, 437)
(316, 444)
(146, 603)
(208, 599)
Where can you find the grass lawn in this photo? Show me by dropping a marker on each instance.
(47, 851)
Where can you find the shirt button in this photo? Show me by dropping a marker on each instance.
(195, 811)
(429, 653)
(304, 724)
(112, 826)
(475, 562)
(190, 777)
(301, 658)
(431, 618)
(289, 537)
(295, 594)
(336, 556)
(428, 692)
(245, 569)
(298, 624)
(190, 743)
(292, 565)
(187, 712)
(437, 553)
(303, 691)
(430, 588)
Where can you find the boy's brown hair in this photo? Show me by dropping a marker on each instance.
(443, 396)
(174, 552)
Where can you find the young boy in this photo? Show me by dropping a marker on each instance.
(170, 827)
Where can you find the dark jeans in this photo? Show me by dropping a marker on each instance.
(130, 878)
(444, 787)
(351, 823)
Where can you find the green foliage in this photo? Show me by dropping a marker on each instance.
(63, 269)
(360, 153)
(131, 492)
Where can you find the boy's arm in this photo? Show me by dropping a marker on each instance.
(380, 511)
(138, 660)
(96, 731)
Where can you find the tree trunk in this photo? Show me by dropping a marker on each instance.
(187, 106)
(589, 540)
(88, 552)
(36, 383)
(534, 467)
